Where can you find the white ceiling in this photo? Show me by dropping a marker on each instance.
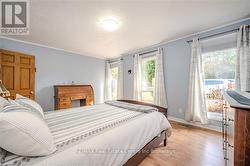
(72, 25)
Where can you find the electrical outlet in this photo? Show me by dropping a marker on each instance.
(180, 110)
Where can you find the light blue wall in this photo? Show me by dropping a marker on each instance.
(59, 67)
(176, 64)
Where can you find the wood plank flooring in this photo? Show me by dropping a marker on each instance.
(188, 146)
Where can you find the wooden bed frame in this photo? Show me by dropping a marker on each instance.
(154, 143)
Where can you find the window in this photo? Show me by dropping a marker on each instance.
(219, 75)
(114, 82)
(148, 79)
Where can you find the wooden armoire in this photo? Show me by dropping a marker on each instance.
(17, 71)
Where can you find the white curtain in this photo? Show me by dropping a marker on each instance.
(137, 77)
(196, 108)
(160, 97)
(120, 80)
(243, 59)
(107, 89)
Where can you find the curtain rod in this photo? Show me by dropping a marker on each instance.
(147, 52)
(217, 34)
(115, 61)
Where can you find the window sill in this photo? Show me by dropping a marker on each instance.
(214, 116)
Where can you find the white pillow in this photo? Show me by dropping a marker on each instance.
(3, 102)
(14, 105)
(27, 102)
(24, 133)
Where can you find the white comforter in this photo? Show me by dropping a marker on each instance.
(110, 148)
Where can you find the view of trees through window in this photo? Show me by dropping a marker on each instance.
(219, 75)
(114, 82)
(148, 78)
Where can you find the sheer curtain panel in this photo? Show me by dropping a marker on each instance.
(120, 80)
(107, 90)
(160, 97)
(137, 77)
(196, 108)
(243, 59)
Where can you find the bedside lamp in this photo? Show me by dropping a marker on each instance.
(3, 91)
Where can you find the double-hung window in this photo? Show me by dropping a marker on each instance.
(148, 78)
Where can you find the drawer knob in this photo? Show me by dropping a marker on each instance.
(231, 146)
(225, 158)
(230, 120)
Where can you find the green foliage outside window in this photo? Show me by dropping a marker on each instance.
(148, 79)
(149, 67)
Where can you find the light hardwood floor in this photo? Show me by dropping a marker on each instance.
(188, 146)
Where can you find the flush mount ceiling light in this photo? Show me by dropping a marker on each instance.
(110, 24)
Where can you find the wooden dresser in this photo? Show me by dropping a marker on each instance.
(236, 132)
(65, 94)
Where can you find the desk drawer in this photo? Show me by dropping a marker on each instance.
(64, 105)
(64, 99)
(77, 97)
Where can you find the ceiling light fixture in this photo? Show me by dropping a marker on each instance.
(110, 24)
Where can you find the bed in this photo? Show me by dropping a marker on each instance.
(101, 135)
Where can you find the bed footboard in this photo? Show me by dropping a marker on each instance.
(146, 150)
(154, 143)
(160, 109)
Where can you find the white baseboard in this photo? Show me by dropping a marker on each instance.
(207, 126)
